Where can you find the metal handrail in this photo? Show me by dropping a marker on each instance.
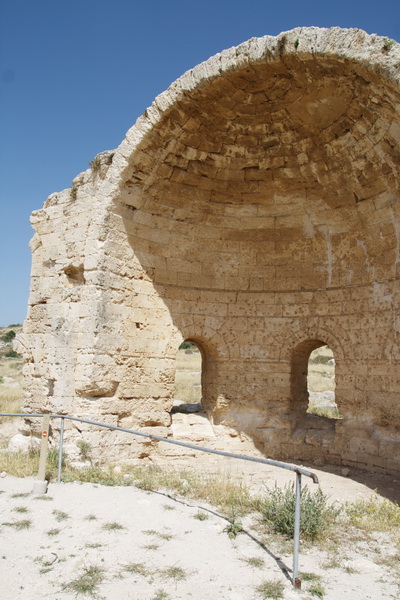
(299, 471)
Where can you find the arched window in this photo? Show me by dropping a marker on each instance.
(313, 379)
(321, 383)
(188, 375)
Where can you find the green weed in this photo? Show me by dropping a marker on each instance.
(277, 509)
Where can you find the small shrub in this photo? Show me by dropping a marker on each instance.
(12, 354)
(234, 528)
(95, 164)
(278, 508)
(9, 336)
(187, 346)
(387, 44)
(84, 449)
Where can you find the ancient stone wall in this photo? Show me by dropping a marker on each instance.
(253, 209)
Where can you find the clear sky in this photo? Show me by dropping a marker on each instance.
(75, 75)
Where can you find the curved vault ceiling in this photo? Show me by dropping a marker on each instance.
(299, 144)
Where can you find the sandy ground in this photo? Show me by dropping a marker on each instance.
(150, 546)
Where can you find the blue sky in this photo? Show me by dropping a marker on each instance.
(75, 75)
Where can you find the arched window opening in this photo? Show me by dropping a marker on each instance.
(188, 377)
(321, 383)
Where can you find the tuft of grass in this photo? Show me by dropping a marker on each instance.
(271, 589)
(137, 569)
(163, 535)
(21, 509)
(150, 547)
(94, 545)
(310, 577)
(174, 572)
(53, 532)
(90, 517)
(277, 509)
(88, 582)
(95, 164)
(20, 495)
(254, 561)
(160, 595)
(60, 515)
(317, 589)
(200, 516)
(43, 497)
(113, 526)
(20, 525)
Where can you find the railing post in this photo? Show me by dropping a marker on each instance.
(296, 580)
(40, 486)
(60, 450)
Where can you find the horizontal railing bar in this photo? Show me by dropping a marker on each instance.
(266, 461)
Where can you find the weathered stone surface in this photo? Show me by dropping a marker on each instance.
(23, 443)
(253, 209)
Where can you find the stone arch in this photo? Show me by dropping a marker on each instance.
(255, 201)
(319, 334)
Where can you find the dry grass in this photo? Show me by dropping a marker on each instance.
(11, 392)
(374, 514)
(188, 376)
(18, 464)
(321, 374)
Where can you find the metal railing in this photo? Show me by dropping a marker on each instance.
(299, 471)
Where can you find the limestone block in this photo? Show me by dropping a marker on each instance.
(23, 443)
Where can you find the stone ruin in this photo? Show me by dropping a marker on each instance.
(253, 209)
